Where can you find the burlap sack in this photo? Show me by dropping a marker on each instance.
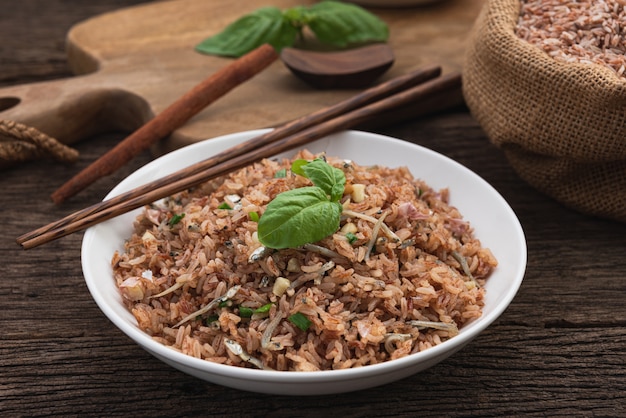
(561, 126)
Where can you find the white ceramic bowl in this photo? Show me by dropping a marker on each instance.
(494, 222)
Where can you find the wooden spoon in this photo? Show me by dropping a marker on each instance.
(348, 69)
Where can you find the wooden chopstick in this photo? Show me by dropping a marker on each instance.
(192, 176)
(361, 99)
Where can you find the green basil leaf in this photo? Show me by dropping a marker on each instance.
(343, 24)
(330, 179)
(264, 25)
(297, 217)
(297, 15)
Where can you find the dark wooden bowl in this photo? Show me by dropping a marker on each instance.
(348, 69)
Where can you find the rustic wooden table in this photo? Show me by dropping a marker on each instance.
(559, 350)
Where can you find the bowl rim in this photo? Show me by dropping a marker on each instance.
(466, 334)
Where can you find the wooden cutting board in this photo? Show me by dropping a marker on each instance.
(132, 63)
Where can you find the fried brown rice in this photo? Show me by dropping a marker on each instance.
(403, 273)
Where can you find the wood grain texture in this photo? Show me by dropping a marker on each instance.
(132, 63)
(559, 350)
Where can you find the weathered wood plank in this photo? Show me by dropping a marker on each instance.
(559, 350)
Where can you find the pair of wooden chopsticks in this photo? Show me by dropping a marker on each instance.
(421, 84)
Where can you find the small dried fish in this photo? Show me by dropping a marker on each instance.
(451, 328)
(170, 289)
(390, 234)
(259, 253)
(372, 242)
(409, 242)
(316, 275)
(271, 327)
(229, 294)
(237, 349)
(392, 338)
(322, 251)
(234, 200)
(463, 262)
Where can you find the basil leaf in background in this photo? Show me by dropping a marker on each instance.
(298, 16)
(297, 217)
(264, 25)
(342, 24)
(330, 179)
(334, 23)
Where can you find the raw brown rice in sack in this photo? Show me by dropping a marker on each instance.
(560, 120)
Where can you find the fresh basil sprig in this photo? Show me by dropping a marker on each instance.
(306, 214)
(334, 23)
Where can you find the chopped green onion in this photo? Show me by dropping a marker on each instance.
(245, 312)
(175, 219)
(281, 174)
(264, 309)
(299, 320)
(351, 237)
(225, 303)
(224, 206)
(254, 217)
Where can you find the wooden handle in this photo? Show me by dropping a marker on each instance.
(75, 108)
